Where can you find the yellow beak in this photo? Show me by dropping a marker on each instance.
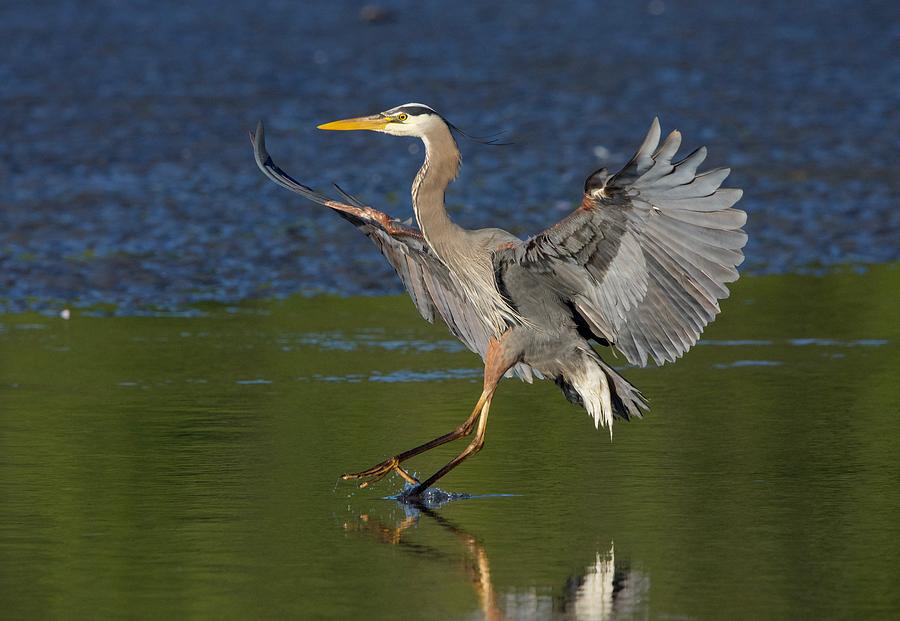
(374, 123)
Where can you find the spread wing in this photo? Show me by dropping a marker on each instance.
(426, 278)
(646, 257)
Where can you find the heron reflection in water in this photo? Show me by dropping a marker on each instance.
(602, 591)
(639, 266)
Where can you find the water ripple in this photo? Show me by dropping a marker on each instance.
(401, 376)
(747, 363)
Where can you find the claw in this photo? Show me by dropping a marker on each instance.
(379, 471)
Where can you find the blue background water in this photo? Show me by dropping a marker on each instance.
(127, 177)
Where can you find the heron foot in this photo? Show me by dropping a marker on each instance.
(379, 471)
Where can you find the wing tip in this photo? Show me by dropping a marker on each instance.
(258, 136)
(652, 140)
(258, 141)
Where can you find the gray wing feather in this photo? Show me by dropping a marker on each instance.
(426, 278)
(647, 256)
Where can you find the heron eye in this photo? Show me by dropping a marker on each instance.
(402, 116)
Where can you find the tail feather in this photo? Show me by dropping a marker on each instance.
(628, 402)
(602, 392)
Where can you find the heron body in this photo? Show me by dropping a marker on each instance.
(639, 266)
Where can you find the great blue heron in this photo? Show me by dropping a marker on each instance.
(639, 266)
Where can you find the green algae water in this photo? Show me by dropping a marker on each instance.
(188, 467)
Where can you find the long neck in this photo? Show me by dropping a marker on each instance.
(440, 168)
(471, 267)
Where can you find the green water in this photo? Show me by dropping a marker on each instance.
(155, 467)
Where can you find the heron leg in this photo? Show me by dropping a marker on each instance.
(379, 471)
(497, 363)
(473, 447)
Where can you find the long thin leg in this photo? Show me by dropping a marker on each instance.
(379, 471)
(473, 447)
(497, 363)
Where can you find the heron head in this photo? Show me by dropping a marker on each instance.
(412, 119)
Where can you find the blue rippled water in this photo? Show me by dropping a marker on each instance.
(128, 181)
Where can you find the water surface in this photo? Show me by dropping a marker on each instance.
(125, 152)
(188, 467)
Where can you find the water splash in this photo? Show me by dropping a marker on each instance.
(434, 498)
(431, 498)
